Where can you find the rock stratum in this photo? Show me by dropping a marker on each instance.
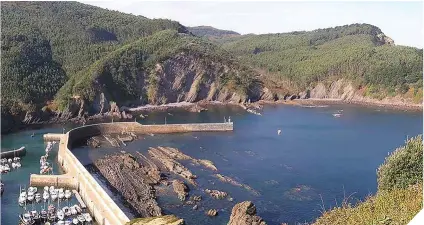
(244, 213)
(141, 178)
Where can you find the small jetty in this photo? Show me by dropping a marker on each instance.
(78, 197)
(111, 140)
(13, 153)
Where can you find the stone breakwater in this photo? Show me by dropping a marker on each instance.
(101, 206)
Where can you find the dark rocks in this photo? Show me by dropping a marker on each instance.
(181, 189)
(217, 194)
(244, 213)
(132, 180)
(212, 212)
(166, 156)
(230, 180)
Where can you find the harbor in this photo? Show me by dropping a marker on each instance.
(286, 153)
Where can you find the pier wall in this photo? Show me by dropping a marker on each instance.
(99, 203)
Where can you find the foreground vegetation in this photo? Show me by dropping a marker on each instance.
(400, 191)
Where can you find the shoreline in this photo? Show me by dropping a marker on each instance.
(319, 101)
(197, 107)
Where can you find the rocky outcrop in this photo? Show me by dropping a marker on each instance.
(157, 220)
(132, 180)
(181, 189)
(216, 194)
(164, 156)
(212, 212)
(244, 213)
(230, 180)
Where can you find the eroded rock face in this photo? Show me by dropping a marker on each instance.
(132, 180)
(181, 189)
(244, 213)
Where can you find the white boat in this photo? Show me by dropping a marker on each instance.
(51, 189)
(87, 217)
(68, 194)
(6, 168)
(26, 219)
(16, 159)
(81, 218)
(22, 198)
(60, 214)
(32, 189)
(37, 197)
(337, 114)
(61, 193)
(46, 188)
(35, 216)
(30, 196)
(66, 211)
(78, 208)
(73, 210)
(53, 195)
(14, 165)
(75, 221)
(18, 164)
(9, 160)
(46, 196)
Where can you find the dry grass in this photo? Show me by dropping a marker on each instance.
(398, 206)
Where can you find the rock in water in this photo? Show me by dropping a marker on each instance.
(244, 213)
(212, 212)
(181, 189)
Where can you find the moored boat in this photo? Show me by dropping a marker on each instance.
(87, 217)
(37, 197)
(81, 218)
(60, 215)
(68, 194)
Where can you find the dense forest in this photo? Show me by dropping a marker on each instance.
(211, 32)
(358, 52)
(55, 51)
(129, 73)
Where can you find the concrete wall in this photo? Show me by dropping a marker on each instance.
(99, 203)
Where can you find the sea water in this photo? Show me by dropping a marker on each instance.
(315, 162)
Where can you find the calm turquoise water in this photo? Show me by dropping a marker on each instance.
(316, 155)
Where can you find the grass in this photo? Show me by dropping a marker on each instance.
(387, 207)
(400, 192)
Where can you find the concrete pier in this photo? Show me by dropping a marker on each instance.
(52, 137)
(104, 210)
(14, 153)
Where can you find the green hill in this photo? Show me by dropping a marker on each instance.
(211, 32)
(84, 57)
(165, 67)
(358, 52)
(64, 37)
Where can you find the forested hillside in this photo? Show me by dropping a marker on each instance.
(85, 51)
(45, 43)
(162, 68)
(73, 57)
(358, 52)
(211, 33)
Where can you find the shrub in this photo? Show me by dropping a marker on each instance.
(403, 167)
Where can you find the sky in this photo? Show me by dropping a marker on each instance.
(402, 21)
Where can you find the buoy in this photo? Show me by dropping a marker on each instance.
(279, 132)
